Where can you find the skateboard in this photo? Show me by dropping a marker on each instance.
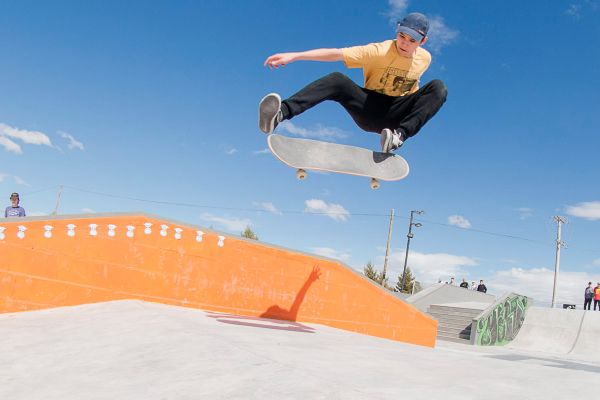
(307, 154)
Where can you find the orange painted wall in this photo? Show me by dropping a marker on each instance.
(239, 276)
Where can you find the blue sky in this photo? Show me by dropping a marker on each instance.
(157, 101)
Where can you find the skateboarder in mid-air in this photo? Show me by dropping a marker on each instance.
(391, 103)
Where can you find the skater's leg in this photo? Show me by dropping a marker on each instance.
(366, 107)
(411, 112)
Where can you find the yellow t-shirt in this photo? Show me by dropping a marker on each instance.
(385, 70)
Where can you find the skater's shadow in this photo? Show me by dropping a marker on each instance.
(275, 317)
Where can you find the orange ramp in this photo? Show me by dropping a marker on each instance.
(60, 261)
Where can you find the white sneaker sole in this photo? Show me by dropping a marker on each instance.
(386, 140)
(267, 112)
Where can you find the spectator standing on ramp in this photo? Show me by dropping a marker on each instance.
(390, 103)
(464, 284)
(589, 295)
(597, 297)
(482, 288)
(14, 210)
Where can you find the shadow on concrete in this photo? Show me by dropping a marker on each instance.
(257, 322)
(549, 362)
(276, 317)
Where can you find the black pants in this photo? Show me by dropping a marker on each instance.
(587, 303)
(372, 111)
(596, 302)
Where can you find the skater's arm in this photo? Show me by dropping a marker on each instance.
(281, 59)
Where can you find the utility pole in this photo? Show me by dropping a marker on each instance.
(60, 189)
(409, 236)
(387, 249)
(559, 221)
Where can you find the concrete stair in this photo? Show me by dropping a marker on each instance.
(454, 320)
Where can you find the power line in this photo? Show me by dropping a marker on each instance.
(191, 205)
(41, 190)
(297, 212)
(487, 232)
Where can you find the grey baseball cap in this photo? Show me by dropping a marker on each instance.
(416, 25)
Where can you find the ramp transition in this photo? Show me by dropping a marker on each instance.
(559, 331)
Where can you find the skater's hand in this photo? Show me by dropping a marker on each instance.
(279, 60)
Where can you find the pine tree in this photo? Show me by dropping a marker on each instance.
(409, 281)
(376, 276)
(249, 234)
(371, 272)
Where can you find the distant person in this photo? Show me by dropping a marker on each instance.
(482, 288)
(14, 210)
(473, 285)
(597, 296)
(452, 282)
(464, 284)
(589, 295)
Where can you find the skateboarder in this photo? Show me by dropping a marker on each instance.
(391, 102)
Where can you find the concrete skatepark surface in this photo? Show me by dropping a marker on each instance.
(139, 350)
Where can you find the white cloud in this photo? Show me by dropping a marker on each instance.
(439, 34)
(268, 206)
(588, 210)
(263, 151)
(8, 134)
(538, 283)
(228, 223)
(459, 220)
(397, 9)
(525, 212)
(319, 132)
(18, 180)
(334, 211)
(574, 11)
(73, 143)
(9, 145)
(596, 261)
(88, 211)
(428, 268)
(231, 152)
(330, 253)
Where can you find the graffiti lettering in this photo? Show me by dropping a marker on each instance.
(502, 324)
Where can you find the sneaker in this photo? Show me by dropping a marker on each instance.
(269, 113)
(390, 140)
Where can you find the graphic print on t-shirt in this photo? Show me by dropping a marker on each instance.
(394, 82)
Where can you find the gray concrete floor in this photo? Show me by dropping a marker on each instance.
(137, 350)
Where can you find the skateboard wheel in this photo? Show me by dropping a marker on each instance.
(374, 184)
(301, 174)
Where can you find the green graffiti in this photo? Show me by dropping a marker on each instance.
(502, 324)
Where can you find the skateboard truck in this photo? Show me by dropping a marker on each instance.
(301, 174)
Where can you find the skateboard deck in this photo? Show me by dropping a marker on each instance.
(307, 154)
